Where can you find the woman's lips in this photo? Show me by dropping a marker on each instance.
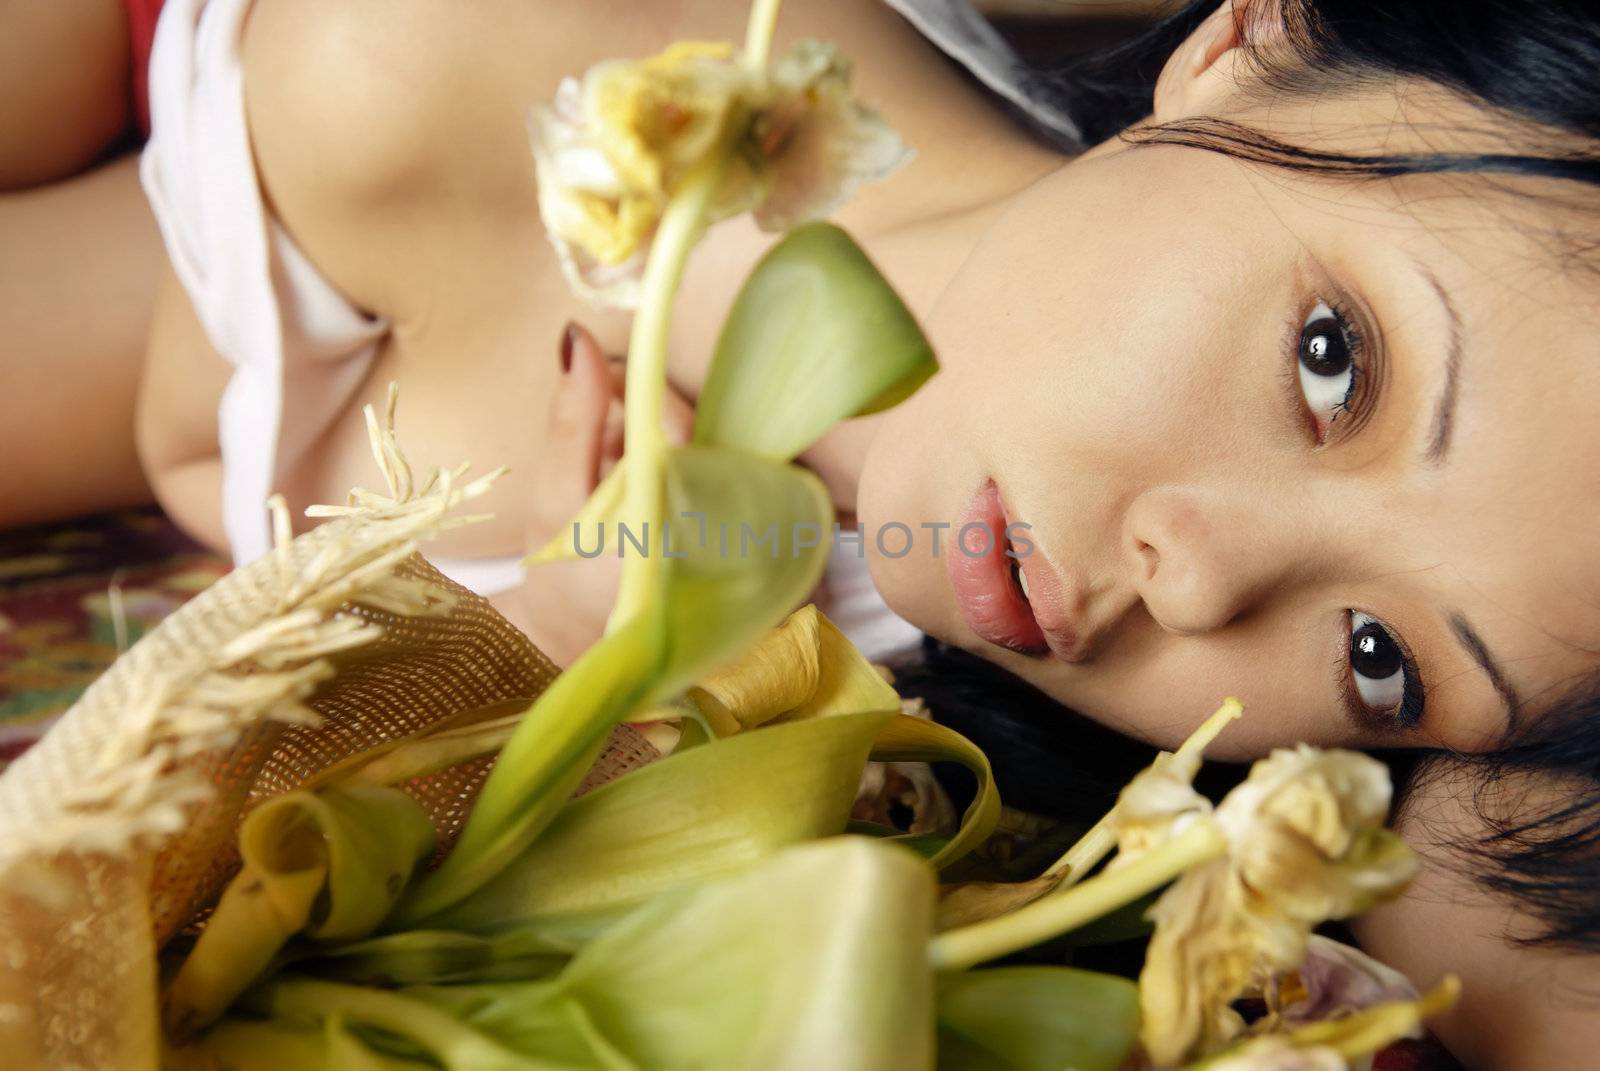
(991, 601)
(1057, 608)
(987, 597)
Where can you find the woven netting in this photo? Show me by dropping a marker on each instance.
(117, 830)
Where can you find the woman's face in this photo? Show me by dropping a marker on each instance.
(1331, 447)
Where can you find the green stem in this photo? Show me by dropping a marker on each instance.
(956, 950)
(1230, 711)
(758, 33)
(1098, 843)
(1082, 857)
(456, 1045)
(645, 445)
(644, 453)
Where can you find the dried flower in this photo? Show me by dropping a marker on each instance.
(1346, 1043)
(1334, 981)
(612, 149)
(1158, 804)
(1305, 844)
(815, 145)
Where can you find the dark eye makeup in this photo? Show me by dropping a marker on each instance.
(1334, 369)
(1378, 678)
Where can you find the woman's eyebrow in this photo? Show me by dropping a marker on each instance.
(1473, 644)
(1444, 409)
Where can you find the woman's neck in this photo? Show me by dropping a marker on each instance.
(918, 226)
(921, 259)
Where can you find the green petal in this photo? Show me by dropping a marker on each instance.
(329, 864)
(416, 957)
(687, 818)
(816, 336)
(718, 594)
(543, 763)
(815, 958)
(600, 513)
(406, 1024)
(1036, 1019)
(247, 1045)
(908, 739)
(765, 525)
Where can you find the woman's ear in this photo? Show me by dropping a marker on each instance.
(1209, 65)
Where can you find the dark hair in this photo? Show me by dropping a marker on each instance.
(1534, 66)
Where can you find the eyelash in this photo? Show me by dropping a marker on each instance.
(1358, 402)
(1413, 700)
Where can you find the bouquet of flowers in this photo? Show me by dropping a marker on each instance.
(337, 813)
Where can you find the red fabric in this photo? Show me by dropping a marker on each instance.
(141, 34)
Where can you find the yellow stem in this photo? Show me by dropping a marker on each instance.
(644, 445)
(758, 34)
(1098, 843)
(956, 950)
(1230, 711)
(1082, 857)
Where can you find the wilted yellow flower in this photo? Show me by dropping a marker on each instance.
(1335, 980)
(1305, 844)
(1306, 830)
(609, 150)
(1343, 1044)
(612, 149)
(813, 144)
(1158, 804)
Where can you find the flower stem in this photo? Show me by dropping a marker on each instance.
(1082, 857)
(1096, 844)
(644, 453)
(956, 950)
(1230, 711)
(758, 34)
(442, 1035)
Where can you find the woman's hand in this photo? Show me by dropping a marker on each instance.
(563, 606)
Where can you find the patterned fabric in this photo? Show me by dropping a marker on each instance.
(72, 596)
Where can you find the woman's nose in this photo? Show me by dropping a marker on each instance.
(1197, 563)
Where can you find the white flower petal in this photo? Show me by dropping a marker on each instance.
(560, 154)
(1338, 979)
(1275, 1054)
(820, 145)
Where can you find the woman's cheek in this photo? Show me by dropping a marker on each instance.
(906, 479)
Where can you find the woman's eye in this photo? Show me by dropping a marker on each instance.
(1378, 667)
(1327, 364)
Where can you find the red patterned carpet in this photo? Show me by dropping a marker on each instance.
(72, 596)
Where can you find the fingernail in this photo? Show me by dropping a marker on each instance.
(569, 338)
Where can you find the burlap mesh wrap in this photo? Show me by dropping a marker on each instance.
(117, 829)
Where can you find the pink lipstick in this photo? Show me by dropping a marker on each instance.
(986, 581)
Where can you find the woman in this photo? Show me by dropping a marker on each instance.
(78, 255)
(1289, 384)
